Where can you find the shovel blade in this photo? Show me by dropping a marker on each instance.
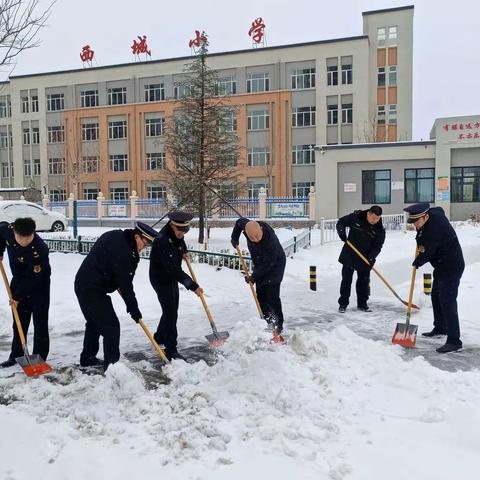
(34, 365)
(217, 339)
(404, 335)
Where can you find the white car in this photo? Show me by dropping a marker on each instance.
(45, 219)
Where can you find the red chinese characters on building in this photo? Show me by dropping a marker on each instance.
(141, 46)
(200, 38)
(86, 55)
(257, 30)
(464, 129)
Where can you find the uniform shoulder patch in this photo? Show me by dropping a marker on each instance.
(37, 268)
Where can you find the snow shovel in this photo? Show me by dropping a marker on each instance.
(32, 365)
(406, 334)
(154, 343)
(216, 339)
(277, 337)
(382, 278)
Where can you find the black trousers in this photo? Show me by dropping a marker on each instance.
(362, 286)
(269, 299)
(101, 320)
(35, 306)
(168, 297)
(444, 303)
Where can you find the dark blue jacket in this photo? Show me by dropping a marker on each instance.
(166, 260)
(367, 238)
(438, 244)
(29, 265)
(110, 266)
(267, 255)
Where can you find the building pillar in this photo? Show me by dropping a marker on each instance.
(262, 204)
(45, 201)
(70, 206)
(100, 207)
(312, 198)
(133, 205)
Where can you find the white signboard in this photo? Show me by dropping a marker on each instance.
(349, 187)
(398, 185)
(117, 210)
(290, 209)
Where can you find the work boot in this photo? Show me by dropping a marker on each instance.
(91, 362)
(450, 347)
(436, 332)
(365, 308)
(342, 309)
(175, 355)
(8, 363)
(159, 339)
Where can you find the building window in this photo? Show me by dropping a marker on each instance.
(258, 120)
(226, 86)
(381, 36)
(5, 106)
(55, 134)
(182, 90)
(55, 102)
(303, 155)
(156, 192)
(154, 92)
(27, 168)
(156, 161)
(7, 169)
(35, 136)
(347, 113)
(58, 195)
(381, 76)
(376, 186)
(228, 159)
(228, 122)
(303, 116)
(3, 140)
(90, 193)
(332, 75)
(332, 114)
(381, 115)
(392, 35)
(117, 130)
(465, 184)
(258, 156)
(419, 185)
(301, 189)
(258, 82)
(25, 104)
(392, 114)
(36, 167)
(89, 132)
(392, 76)
(254, 188)
(35, 103)
(119, 163)
(26, 136)
(154, 127)
(89, 98)
(347, 74)
(303, 78)
(117, 96)
(56, 166)
(90, 164)
(118, 193)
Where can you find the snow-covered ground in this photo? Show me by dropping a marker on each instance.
(337, 401)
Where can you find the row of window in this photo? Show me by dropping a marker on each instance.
(382, 76)
(346, 114)
(419, 185)
(154, 192)
(385, 116)
(387, 35)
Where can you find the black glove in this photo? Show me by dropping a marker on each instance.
(136, 316)
(414, 264)
(249, 279)
(371, 261)
(343, 238)
(234, 243)
(193, 286)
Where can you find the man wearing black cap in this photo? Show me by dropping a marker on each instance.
(367, 234)
(109, 266)
(166, 273)
(438, 244)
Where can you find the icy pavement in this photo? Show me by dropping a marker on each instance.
(338, 401)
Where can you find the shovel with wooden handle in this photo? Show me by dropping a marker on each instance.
(32, 365)
(216, 339)
(277, 337)
(382, 278)
(154, 343)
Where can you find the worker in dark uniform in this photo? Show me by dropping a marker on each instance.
(30, 284)
(109, 266)
(367, 234)
(168, 251)
(438, 244)
(269, 262)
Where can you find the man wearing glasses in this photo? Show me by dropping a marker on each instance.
(109, 266)
(166, 273)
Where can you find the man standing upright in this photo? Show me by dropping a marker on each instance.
(367, 234)
(168, 251)
(438, 244)
(269, 262)
(30, 285)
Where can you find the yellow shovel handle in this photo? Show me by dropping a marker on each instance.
(154, 343)
(245, 269)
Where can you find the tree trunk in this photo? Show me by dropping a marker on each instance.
(201, 216)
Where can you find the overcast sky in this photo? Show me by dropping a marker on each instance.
(446, 71)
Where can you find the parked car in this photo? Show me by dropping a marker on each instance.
(45, 219)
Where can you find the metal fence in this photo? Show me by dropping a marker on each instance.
(287, 207)
(87, 208)
(248, 207)
(303, 240)
(151, 208)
